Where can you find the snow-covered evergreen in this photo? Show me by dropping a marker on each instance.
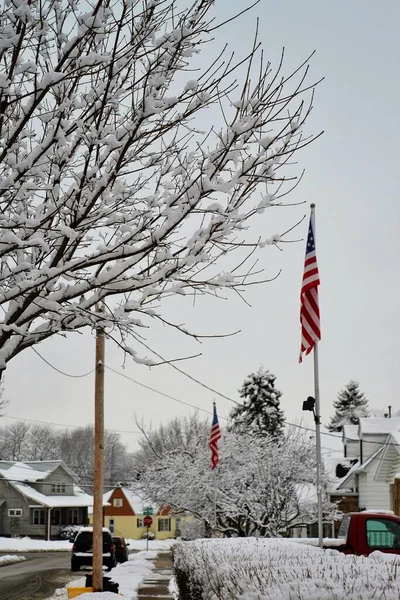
(351, 404)
(260, 413)
(113, 185)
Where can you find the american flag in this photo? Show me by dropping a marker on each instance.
(215, 436)
(309, 306)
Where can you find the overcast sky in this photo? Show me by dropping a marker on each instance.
(352, 174)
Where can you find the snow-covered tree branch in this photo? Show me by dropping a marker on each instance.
(264, 486)
(109, 184)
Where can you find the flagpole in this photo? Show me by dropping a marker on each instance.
(318, 445)
(215, 502)
(317, 418)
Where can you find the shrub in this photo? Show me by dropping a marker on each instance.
(234, 569)
(149, 536)
(68, 532)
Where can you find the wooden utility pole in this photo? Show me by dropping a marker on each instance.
(97, 580)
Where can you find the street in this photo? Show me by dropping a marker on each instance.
(37, 577)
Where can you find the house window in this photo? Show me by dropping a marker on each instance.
(56, 516)
(58, 488)
(73, 516)
(164, 524)
(15, 512)
(111, 525)
(383, 533)
(37, 516)
(117, 502)
(139, 523)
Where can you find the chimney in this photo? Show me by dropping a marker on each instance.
(390, 412)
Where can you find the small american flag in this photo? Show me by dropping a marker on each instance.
(215, 436)
(309, 305)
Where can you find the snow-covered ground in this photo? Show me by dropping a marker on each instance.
(249, 568)
(26, 544)
(9, 559)
(128, 575)
(153, 544)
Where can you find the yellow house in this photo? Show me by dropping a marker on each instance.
(125, 513)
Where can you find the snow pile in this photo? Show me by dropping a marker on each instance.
(9, 559)
(26, 544)
(128, 575)
(245, 569)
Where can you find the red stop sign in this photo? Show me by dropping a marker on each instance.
(147, 521)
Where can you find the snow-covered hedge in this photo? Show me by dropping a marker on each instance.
(262, 569)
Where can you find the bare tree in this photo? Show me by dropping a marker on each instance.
(178, 435)
(110, 187)
(13, 441)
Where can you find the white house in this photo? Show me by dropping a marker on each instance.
(373, 482)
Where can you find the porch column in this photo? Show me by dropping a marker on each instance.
(48, 523)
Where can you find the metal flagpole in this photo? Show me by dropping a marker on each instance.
(318, 445)
(317, 418)
(215, 502)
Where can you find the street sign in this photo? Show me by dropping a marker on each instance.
(148, 510)
(147, 521)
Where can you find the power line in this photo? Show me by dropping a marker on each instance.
(59, 370)
(67, 425)
(329, 434)
(148, 387)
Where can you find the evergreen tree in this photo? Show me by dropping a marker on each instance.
(260, 413)
(351, 404)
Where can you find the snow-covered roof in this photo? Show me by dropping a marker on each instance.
(350, 432)
(136, 501)
(30, 471)
(383, 426)
(80, 498)
(359, 468)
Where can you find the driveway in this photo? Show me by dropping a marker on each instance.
(37, 577)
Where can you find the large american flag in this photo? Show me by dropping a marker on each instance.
(309, 306)
(215, 436)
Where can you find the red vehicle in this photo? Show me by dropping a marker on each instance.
(364, 532)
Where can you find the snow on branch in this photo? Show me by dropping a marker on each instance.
(109, 184)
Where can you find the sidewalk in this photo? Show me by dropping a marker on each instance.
(156, 587)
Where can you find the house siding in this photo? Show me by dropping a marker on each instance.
(13, 526)
(352, 448)
(58, 476)
(371, 443)
(373, 494)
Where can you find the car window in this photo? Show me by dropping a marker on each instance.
(383, 533)
(344, 526)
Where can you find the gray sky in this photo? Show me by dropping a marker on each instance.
(352, 176)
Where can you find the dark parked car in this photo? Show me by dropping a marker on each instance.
(82, 550)
(121, 548)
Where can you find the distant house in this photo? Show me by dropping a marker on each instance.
(38, 498)
(373, 480)
(125, 512)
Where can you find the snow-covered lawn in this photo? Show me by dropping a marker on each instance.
(254, 568)
(128, 575)
(26, 544)
(9, 559)
(153, 544)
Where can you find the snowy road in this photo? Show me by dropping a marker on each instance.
(35, 578)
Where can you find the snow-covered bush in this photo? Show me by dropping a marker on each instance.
(259, 569)
(193, 529)
(68, 532)
(148, 536)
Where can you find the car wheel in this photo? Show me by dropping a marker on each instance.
(75, 566)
